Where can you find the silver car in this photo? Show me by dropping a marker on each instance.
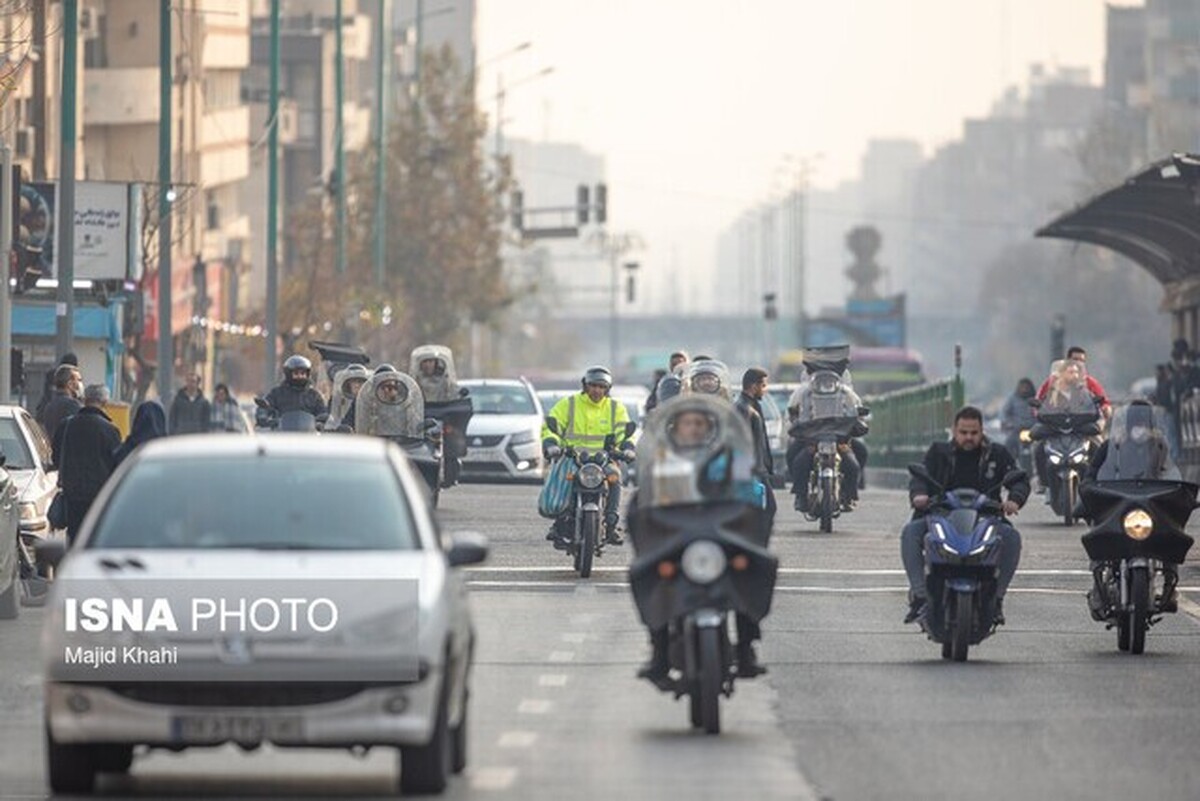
(186, 518)
(29, 460)
(504, 435)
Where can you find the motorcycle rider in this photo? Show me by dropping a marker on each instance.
(1137, 448)
(1079, 355)
(677, 358)
(693, 435)
(1017, 415)
(585, 419)
(801, 453)
(296, 391)
(749, 406)
(1069, 393)
(968, 460)
(433, 368)
(707, 376)
(389, 404)
(343, 406)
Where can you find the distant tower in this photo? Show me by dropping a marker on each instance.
(864, 242)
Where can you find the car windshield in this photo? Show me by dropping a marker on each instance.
(17, 455)
(501, 399)
(277, 503)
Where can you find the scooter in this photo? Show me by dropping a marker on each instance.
(1068, 449)
(962, 554)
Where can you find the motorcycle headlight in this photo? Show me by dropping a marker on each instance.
(591, 475)
(523, 438)
(1078, 456)
(1055, 458)
(1026, 435)
(703, 561)
(1138, 524)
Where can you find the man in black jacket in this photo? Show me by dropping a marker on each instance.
(296, 392)
(48, 387)
(64, 401)
(749, 406)
(83, 450)
(969, 460)
(191, 413)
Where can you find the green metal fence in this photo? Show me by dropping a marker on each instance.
(905, 422)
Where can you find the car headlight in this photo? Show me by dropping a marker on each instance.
(29, 511)
(703, 561)
(523, 438)
(1138, 524)
(591, 476)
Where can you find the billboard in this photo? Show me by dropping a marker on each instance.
(106, 227)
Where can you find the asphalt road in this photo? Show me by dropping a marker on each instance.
(856, 705)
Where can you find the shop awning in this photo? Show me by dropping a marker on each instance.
(91, 322)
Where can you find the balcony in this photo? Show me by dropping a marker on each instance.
(120, 96)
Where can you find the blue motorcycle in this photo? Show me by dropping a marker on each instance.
(962, 556)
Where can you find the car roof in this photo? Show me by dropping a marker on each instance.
(317, 446)
(9, 410)
(492, 382)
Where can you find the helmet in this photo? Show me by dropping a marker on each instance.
(385, 368)
(293, 365)
(351, 373)
(598, 375)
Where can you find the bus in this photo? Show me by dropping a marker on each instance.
(874, 370)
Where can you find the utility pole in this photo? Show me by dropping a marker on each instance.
(6, 235)
(339, 142)
(166, 346)
(64, 312)
(382, 79)
(272, 321)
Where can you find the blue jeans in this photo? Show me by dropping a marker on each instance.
(912, 553)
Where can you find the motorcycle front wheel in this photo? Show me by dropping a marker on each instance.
(1139, 595)
(962, 609)
(589, 533)
(827, 502)
(706, 692)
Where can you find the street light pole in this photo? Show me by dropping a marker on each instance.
(64, 312)
(382, 79)
(272, 321)
(6, 235)
(166, 346)
(339, 142)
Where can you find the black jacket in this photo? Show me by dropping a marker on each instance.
(751, 409)
(995, 462)
(190, 416)
(287, 398)
(84, 447)
(60, 407)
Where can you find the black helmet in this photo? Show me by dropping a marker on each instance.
(385, 368)
(598, 375)
(669, 387)
(295, 364)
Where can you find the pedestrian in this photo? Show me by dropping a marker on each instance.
(191, 413)
(64, 401)
(749, 406)
(226, 415)
(48, 384)
(84, 450)
(149, 422)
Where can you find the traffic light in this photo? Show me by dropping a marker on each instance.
(770, 311)
(582, 203)
(518, 209)
(601, 203)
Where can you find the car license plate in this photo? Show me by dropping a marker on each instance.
(238, 728)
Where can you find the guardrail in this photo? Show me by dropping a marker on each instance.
(1189, 438)
(905, 422)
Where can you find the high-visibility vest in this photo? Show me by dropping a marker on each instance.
(593, 440)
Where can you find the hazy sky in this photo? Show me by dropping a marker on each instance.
(695, 102)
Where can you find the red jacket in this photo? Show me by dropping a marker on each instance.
(1094, 387)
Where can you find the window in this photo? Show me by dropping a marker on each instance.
(498, 399)
(17, 455)
(40, 442)
(268, 503)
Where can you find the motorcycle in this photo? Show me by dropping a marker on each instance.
(592, 474)
(1139, 526)
(962, 557)
(428, 455)
(1068, 450)
(268, 418)
(453, 416)
(825, 479)
(697, 566)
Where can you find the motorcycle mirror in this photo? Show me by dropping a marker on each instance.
(260, 403)
(863, 411)
(552, 424)
(463, 392)
(609, 442)
(1035, 403)
(630, 428)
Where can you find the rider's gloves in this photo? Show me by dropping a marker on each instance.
(628, 451)
(551, 449)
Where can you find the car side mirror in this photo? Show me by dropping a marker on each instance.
(630, 429)
(552, 425)
(467, 548)
(49, 553)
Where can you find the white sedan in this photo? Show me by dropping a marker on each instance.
(377, 649)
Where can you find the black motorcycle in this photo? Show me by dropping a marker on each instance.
(824, 491)
(592, 475)
(1137, 526)
(268, 418)
(427, 455)
(454, 416)
(696, 566)
(1068, 445)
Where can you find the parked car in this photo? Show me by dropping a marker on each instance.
(504, 435)
(776, 422)
(307, 516)
(28, 459)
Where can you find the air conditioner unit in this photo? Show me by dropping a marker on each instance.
(89, 23)
(24, 142)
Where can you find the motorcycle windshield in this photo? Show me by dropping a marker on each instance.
(695, 449)
(432, 366)
(835, 359)
(456, 413)
(826, 428)
(1137, 447)
(297, 421)
(337, 355)
(390, 404)
(1081, 423)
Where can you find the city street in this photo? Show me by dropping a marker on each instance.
(856, 705)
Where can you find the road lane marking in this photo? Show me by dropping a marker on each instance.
(575, 638)
(562, 656)
(553, 680)
(517, 739)
(493, 778)
(534, 706)
(1188, 606)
